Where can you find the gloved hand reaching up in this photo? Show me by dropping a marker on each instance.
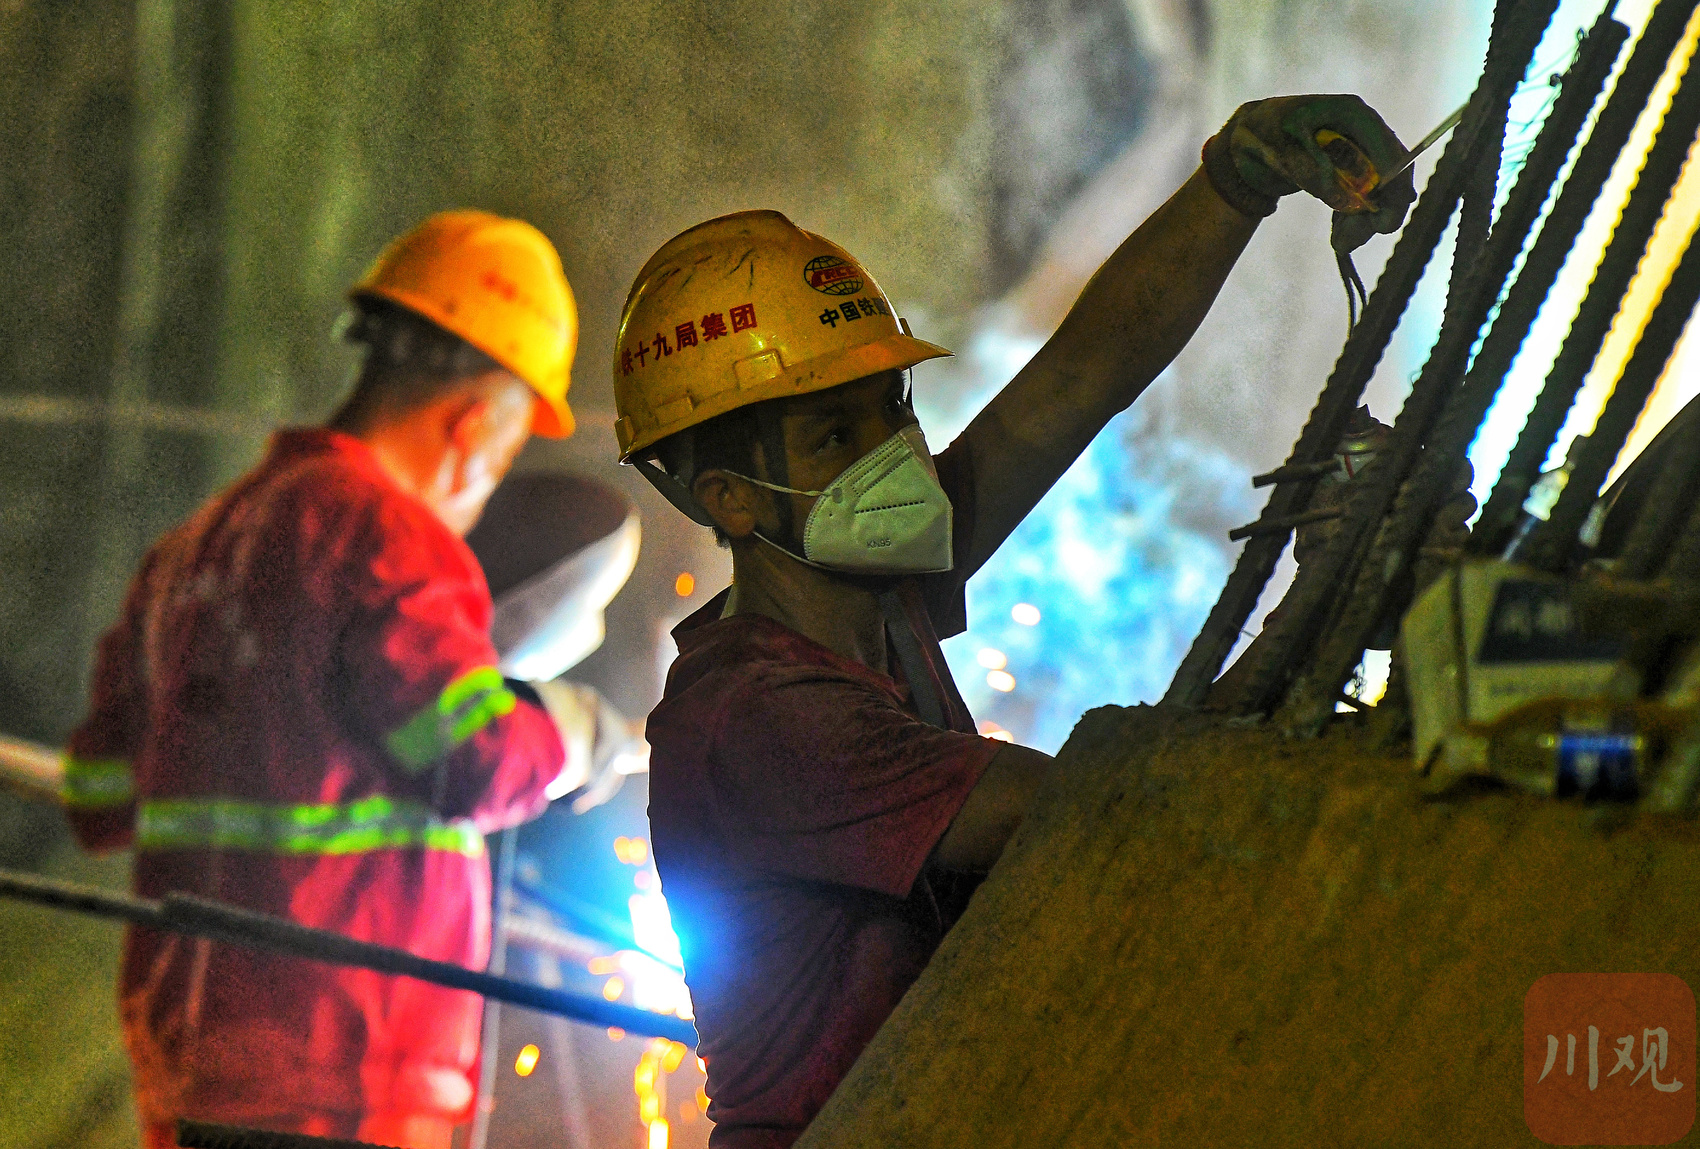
(1271, 148)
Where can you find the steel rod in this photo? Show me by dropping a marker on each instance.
(484, 1101)
(58, 895)
(32, 770)
(1288, 474)
(1552, 544)
(1611, 133)
(1481, 189)
(1427, 142)
(1507, 60)
(1668, 503)
(1283, 526)
(1437, 452)
(186, 914)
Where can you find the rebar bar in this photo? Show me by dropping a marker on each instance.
(1508, 59)
(98, 903)
(1283, 525)
(1611, 132)
(32, 770)
(484, 1100)
(1669, 500)
(1437, 453)
(1481, 186)
(1297, 471)
(1552, 544)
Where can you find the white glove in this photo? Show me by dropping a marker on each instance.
(603, 745)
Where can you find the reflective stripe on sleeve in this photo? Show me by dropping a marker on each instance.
(375, 823)
(466, 706)
(97, 783)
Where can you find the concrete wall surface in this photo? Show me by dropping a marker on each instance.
(1211, 936)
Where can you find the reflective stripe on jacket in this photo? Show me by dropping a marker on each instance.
(299, 713)
(97, 783)
(375, 823)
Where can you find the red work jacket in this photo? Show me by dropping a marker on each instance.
(299, 713)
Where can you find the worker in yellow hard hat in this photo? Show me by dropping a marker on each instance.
(817, 786)
(300, 711)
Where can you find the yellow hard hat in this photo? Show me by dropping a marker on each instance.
(497, 283)
(744, 308)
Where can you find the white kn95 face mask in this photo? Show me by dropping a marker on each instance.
(885, 514)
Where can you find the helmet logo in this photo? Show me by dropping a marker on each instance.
(853, 309)
(831, 275)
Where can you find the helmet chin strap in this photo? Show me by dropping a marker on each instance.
(674, 489)
(776, 463)
(791, 554)
(907, 645)
(901, 633)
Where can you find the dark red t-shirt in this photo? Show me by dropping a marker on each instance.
(794, 799)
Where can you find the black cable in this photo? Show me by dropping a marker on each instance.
(1357, 296)
(198, 917)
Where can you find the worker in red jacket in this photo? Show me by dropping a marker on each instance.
(817, 786)
(299, 712)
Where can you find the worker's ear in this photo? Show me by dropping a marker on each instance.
(485, 424)
(468, 426)
(734, 503)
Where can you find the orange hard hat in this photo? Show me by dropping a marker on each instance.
(496, 283)
(744, 308)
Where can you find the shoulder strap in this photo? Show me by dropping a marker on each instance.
(914, 663)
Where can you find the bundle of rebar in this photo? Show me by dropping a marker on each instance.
(1342, 598)
(1513, 46)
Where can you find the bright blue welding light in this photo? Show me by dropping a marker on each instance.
(652, 928)
(1121, 579)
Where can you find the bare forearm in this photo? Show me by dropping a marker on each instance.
(1141, 307)
(994, 810)
(1129, 323)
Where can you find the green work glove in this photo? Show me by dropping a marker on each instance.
(1269, 148)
